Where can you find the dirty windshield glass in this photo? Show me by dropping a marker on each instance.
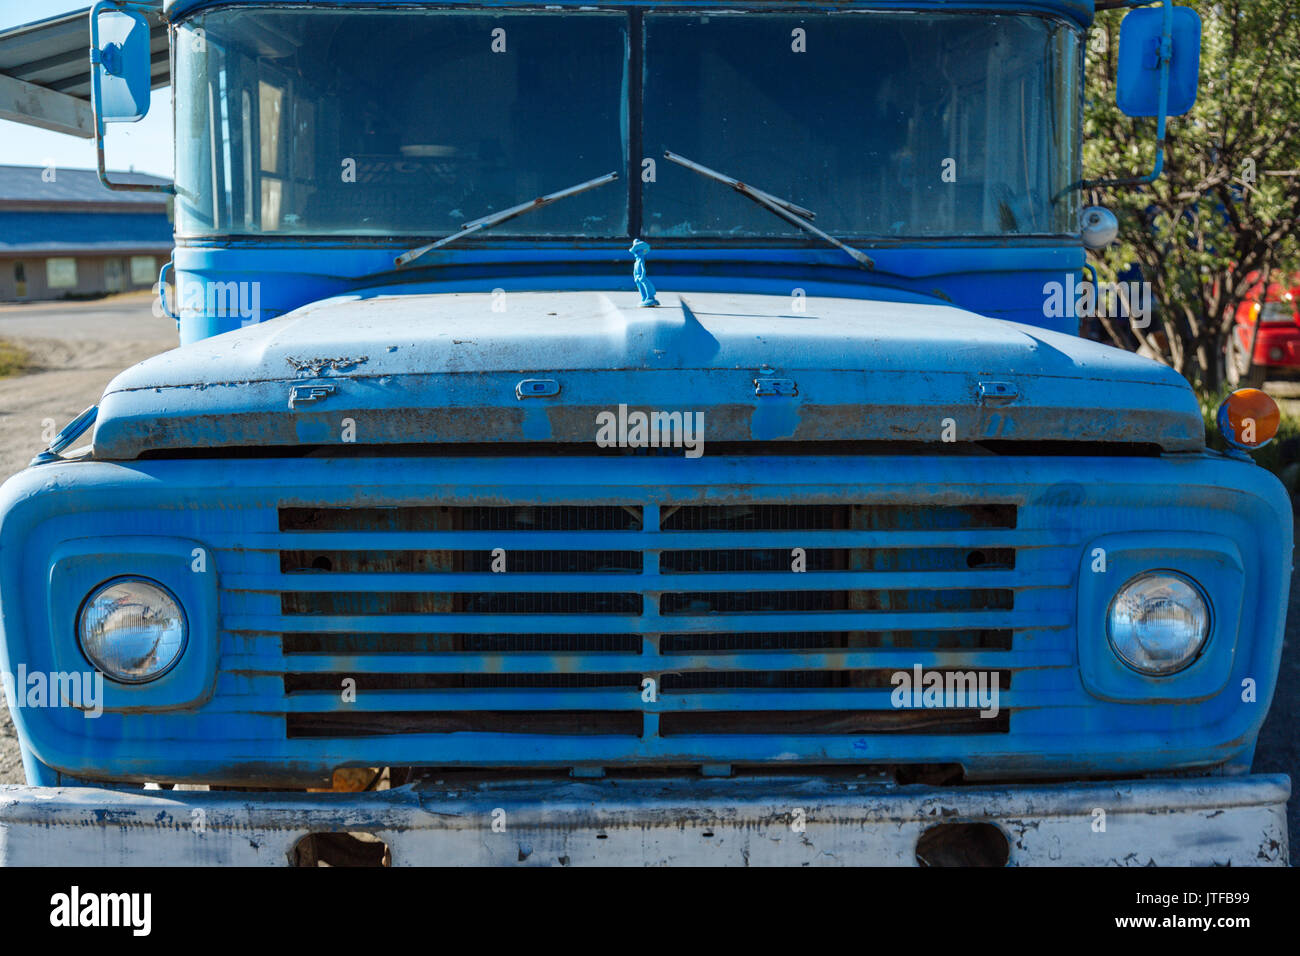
(884, 124)
(365, 122)
(408, 123)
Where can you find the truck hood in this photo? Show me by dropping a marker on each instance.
(539, 367)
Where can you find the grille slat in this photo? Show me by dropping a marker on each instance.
(840, 722)
(575, 723)
(535, 699)
(629, 624)
(620, 581)
(527, 518)
(523, 664)
(823, 517)
(634, 540)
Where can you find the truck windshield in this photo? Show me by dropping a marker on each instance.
(404, 123)
(397, 123)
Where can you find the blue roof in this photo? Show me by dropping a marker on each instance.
(29, 184)
(26, 232)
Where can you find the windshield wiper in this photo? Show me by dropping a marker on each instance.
(781, 207)
(488, 221)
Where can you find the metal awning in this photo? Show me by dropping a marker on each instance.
(45, 71)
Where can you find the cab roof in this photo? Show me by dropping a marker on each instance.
(1080, 11)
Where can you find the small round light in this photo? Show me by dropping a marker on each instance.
(1248, 419)
(1158, 622)
(132, 629)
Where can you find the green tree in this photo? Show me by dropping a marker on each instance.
(1228, 203)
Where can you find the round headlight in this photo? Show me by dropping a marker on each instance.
(1158, 622)
(132, 629)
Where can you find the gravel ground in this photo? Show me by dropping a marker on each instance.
(78, 348)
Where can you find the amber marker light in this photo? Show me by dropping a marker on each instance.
(1248, 419)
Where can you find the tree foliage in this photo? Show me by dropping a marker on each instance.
(1228, 203)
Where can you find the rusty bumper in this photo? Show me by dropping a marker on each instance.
(794, 821)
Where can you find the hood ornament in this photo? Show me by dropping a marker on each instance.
(643, 285)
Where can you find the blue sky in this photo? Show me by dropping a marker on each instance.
(145, 146)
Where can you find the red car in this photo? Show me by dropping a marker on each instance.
(1277, 344)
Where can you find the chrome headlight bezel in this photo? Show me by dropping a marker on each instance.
(1200, 643)
(96, 661)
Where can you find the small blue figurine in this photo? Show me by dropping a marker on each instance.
(639, 248)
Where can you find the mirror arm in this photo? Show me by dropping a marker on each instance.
(95, 58)
(1166, 54)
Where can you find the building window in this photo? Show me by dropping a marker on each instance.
(61, 273)
(20, 279)
(144, 270)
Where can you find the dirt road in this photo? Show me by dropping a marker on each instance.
(75, 349)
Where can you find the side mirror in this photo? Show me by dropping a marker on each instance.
(120, 76)
(119, 57)
(1144, 47)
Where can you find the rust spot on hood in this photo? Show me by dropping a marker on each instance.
(318, 366)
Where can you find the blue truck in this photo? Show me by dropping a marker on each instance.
(638, 432)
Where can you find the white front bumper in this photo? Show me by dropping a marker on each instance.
(1239, 821)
